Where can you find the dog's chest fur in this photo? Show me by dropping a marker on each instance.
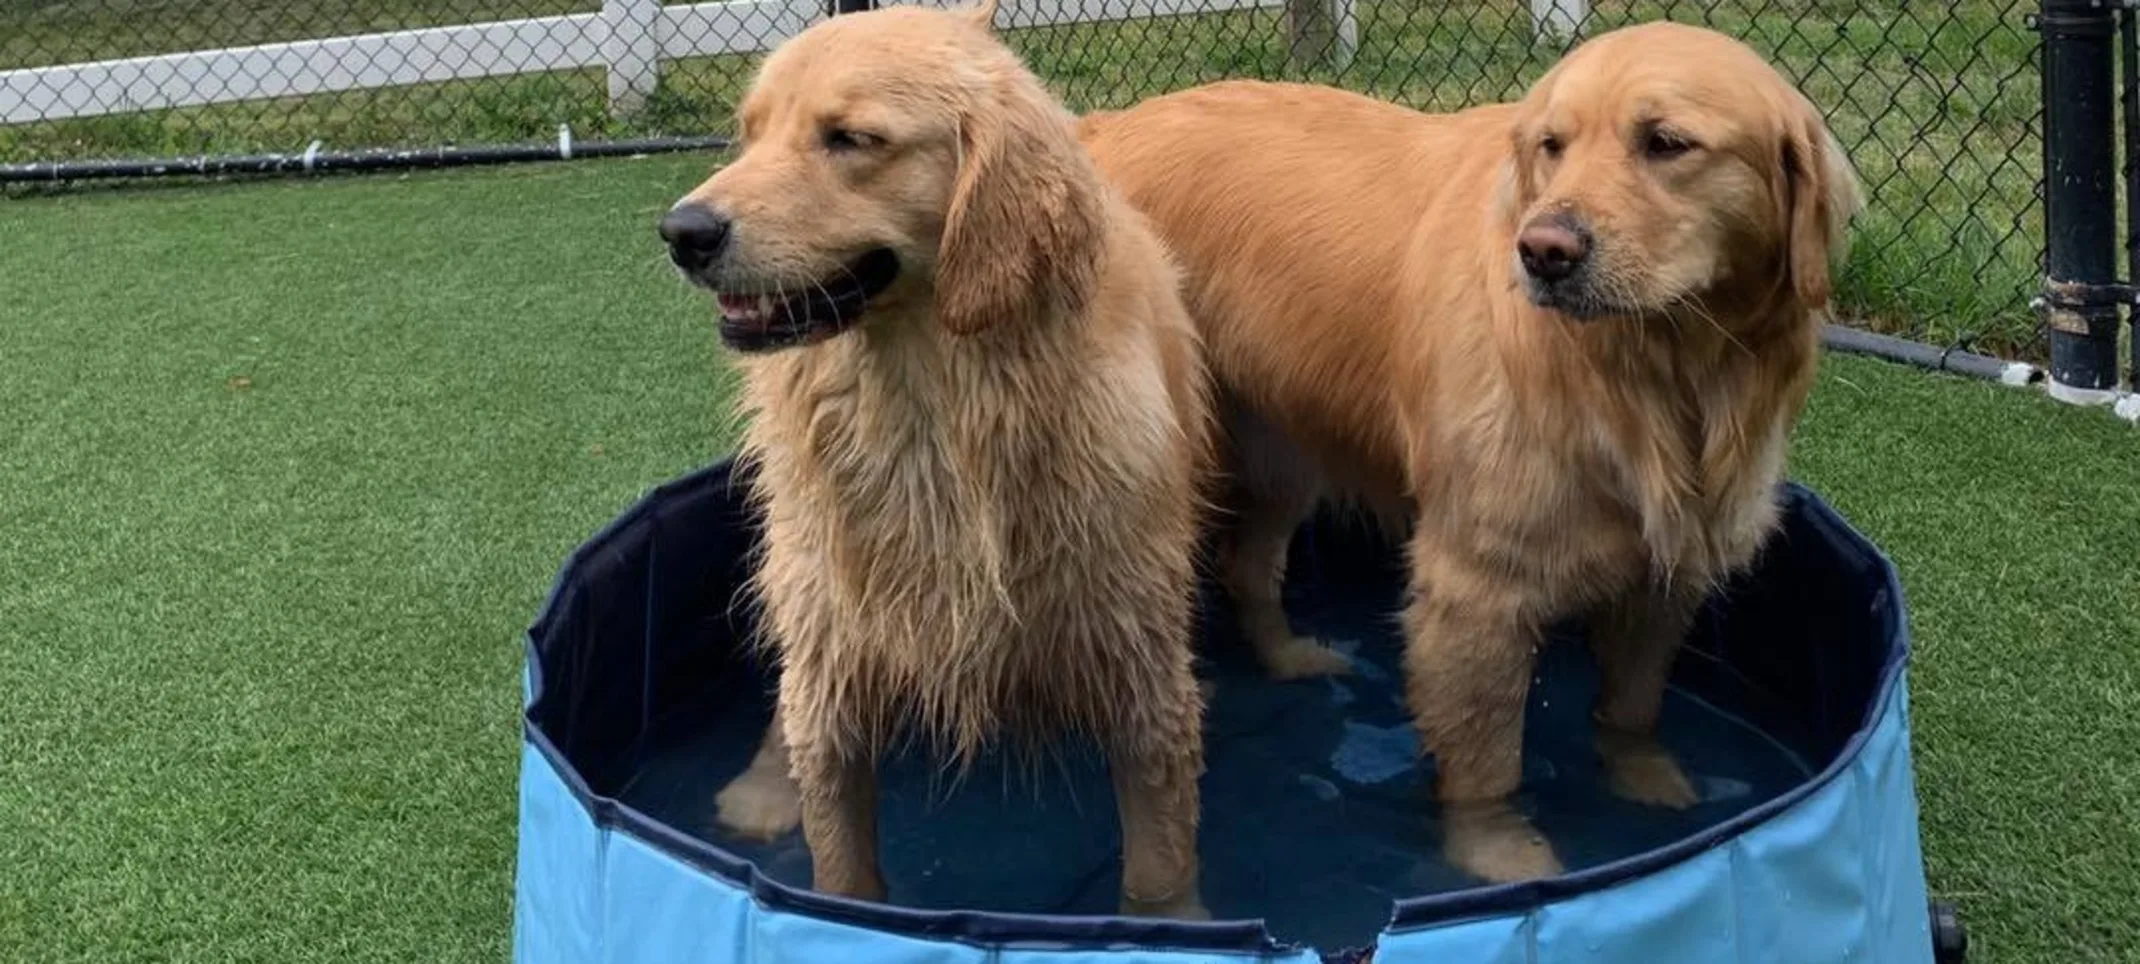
(1677, 459)
(967, 532)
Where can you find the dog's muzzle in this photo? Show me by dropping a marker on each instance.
(1557, 254)
(760, 317)
(697, 237)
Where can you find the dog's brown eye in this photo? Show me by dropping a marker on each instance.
(842, 139)
(1663, 145)
(1550, 145)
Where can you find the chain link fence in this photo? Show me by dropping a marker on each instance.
(1940, 105)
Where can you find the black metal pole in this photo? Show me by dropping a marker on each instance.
(321, 162)
(2129, 74)
(837, 7)
(1858, 341)
(2080, 196)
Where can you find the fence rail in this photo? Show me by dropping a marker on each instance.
(1940, 106)
(306, 67)
(629, 39)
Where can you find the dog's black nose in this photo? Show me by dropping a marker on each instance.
(696, 235)
(1552, 248)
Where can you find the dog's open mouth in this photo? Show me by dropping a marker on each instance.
(762, 321)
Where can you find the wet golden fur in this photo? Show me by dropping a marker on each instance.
(1352, 265)
(982, 504)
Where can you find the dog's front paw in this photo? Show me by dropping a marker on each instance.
(1655, 781)
(1187, 907)
(1496, 844)
(1642, 771)
(763, 804)
(1301, 658)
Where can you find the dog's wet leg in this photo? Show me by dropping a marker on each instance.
(838, 787)
(1470, 649)
(763, 803)
(1636, 639)
(1156, 757)
(1272, 495)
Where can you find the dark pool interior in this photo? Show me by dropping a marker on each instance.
(1316, 808)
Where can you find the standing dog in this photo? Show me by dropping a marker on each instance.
(1569, 336)
(980, 422)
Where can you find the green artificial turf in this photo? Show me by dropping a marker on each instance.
(285, 468)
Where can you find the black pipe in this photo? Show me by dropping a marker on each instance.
(2129, 74)
(2080, 189)
(837, 7)
(1859, 342)
(317, 162)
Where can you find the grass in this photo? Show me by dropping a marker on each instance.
(1938, 105)
(285, 468)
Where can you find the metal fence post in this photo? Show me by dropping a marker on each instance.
(1322, 33)
(2129, 75)
(2082, 293)
(836, 7)
(1558, 20)
(631, 49)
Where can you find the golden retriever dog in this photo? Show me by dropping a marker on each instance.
(980, 423)
(1565, 338)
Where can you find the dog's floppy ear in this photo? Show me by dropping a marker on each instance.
(1023, 233)
(983, 13)
(1823, 196)
(1513, 191)
(1515, 187)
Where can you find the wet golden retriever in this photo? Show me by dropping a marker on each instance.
(980, 423)
(1565, 338)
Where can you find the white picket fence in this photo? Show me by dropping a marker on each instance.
(628, 39)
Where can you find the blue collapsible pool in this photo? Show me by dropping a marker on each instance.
(1318, 839)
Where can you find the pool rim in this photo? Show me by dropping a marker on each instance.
(1008, 929)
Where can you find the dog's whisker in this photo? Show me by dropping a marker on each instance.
(794, 324)
(820, 286)
(1694, 303)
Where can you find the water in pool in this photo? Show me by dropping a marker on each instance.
(1317, 812)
